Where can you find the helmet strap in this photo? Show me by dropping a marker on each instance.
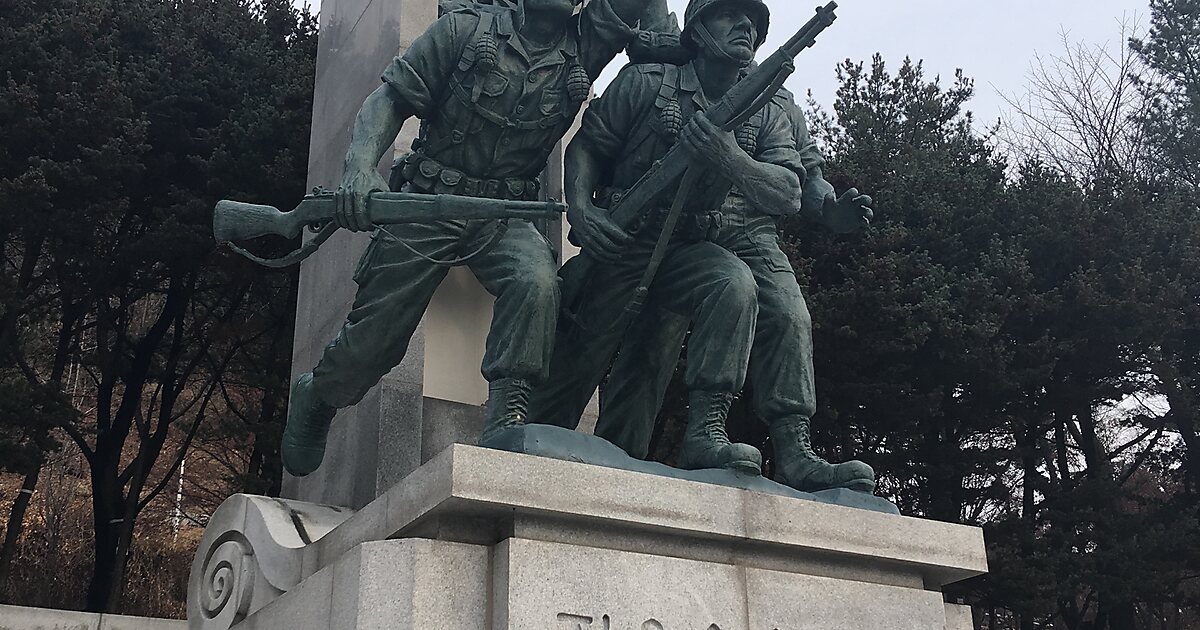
(711, 43)
(518, 7)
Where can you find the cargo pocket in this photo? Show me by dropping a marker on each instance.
(366, 260)
(762, 234)
(552, 103)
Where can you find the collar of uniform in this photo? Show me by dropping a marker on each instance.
(567, 48)
(689, 82)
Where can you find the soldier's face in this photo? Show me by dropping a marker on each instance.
(563, 7)
(733, 30)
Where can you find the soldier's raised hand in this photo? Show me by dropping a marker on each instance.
(710, 145)
(848, 213)
(599, 235)
(350, 199)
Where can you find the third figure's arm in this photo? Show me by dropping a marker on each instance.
(633, 11)
(599, 236)
(848, 213)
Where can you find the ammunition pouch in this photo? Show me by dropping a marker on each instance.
(692, 226)
(429, 176)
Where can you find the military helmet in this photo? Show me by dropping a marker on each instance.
(697, 8)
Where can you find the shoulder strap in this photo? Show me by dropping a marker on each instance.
(471, 52)
(652, 124)
(669, 91)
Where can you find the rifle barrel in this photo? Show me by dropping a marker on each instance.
(813, 27)
(739, 103)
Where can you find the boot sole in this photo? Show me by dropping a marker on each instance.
(310, 459)
(746, 467)
(861, 485)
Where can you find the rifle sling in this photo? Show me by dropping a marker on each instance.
(300, 254)
(638, 301)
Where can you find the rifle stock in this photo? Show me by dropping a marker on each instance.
(237, 221)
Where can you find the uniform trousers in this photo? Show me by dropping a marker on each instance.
(701, 281)
(395, 286)
(781, 360)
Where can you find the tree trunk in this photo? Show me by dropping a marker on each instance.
(945, 498)
(1184, 415)
(16, 524)
(125, 535)
(265, 465)
(1027, 438)
(106, 512)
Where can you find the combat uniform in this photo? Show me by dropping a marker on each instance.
(492, 109)
(781, 362)
(632, 125)
(781, 358)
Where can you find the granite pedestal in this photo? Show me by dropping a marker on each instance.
(479, 538)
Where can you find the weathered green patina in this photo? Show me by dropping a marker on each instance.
(496, 86)
(625, 134)
(636, 118)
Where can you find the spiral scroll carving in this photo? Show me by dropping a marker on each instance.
(226, 585)
(250, 555)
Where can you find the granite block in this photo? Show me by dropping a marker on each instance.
(805, 602)
(305, 606)
(26, 618)
(411, 584)
(959, 617)
(124, 622)
(546, 585)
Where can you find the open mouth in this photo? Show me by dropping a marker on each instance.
(741, 41)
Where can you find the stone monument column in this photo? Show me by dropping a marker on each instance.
(434, 397)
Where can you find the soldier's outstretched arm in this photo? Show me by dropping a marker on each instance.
(375, 129)
(413, 86)
(633, 11)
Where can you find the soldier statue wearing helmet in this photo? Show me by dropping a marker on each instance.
(695, 32)
(628, 127)
(496, 85)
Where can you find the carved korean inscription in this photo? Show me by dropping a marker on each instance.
(572, 621)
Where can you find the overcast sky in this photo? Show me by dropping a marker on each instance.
(993, 41)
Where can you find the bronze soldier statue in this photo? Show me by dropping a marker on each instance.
(625, 134)
(495, 86)
(784, 393)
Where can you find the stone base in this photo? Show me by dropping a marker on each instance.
(558, 443)
(478, 538)
(29, 618)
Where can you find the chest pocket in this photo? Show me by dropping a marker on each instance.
(493, 84)
(552, 102)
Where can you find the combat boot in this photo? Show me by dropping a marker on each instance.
(507, 408)
(303, 445)
(797, 466)
(705, 441)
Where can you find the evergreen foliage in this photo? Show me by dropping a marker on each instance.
(1014, 344)
(124, 122)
